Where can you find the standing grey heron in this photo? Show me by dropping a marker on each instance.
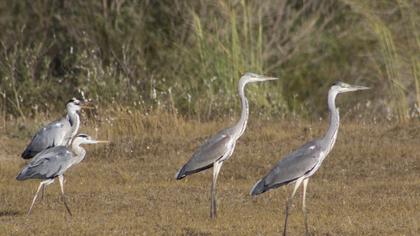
(301, 164)
(220, 147)
(56, 133)
(53, 162)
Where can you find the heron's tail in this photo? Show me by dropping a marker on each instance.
(28, 153)
(258, 188)
(23, 175)
(181, 173)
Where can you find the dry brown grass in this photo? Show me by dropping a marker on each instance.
(368, 185)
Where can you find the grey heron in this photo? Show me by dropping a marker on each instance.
(220, 147)
(53, 162)
(56, 133)
(301, 164)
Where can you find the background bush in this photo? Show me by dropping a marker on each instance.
(187, 56)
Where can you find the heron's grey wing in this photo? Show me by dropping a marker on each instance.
(54, 134)
(47, 164)
(208, 153)
(292, 167)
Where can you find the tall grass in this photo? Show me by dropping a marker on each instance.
(186, 57)
(395, 26)
(391, 60)
(225, 55)
(269, 38)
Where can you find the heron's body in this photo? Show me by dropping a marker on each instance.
(304, 161)
(54, 162)
(214, 149)
(49, 164)
(56, 133)
(301, 164)
(220, 147)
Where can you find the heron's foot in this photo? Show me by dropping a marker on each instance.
(213, 214)
(307, 232)
(65, 204)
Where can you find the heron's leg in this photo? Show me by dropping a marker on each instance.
(305, 184)
(41, 185)
(43, 192)
(289, 203)
(61, 179)
(216, 168)
(36, 195)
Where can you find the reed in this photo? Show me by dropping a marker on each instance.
(395, 26)
(187, 56)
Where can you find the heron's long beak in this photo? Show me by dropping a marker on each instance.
(101, 141)
(260, 78)
(269, 78)
(87, 105)
(357, 87)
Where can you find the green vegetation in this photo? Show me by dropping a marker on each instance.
(187, 56)
(164, 74)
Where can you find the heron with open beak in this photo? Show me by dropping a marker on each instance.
(59, 132)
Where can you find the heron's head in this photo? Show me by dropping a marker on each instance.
(75, 104)
(86, 139)
(341, 87)
(252, 77)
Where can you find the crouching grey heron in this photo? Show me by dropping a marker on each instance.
(301, 164)
(53, 162)
(56, 133)
(220, 147)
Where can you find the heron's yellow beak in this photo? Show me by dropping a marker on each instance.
(102, 141)
(87, 105)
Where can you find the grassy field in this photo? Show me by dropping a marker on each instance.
(165, 74)
(368, 185)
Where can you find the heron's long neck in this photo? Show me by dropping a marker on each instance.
(332, 131)
(79, 151)
(241, 125)
(74, 120)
